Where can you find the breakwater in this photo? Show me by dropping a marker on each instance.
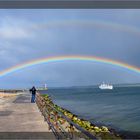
(10, 90)
(61, 120)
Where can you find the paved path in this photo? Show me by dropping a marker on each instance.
(19, 115)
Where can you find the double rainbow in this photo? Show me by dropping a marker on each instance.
(47, 60)
(94, 59)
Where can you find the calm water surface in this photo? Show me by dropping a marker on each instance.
(119, 107)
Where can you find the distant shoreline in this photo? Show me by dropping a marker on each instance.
(94, 86)
(10, 90)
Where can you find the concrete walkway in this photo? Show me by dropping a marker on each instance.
(19, 115)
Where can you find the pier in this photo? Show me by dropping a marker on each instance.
(18, 115)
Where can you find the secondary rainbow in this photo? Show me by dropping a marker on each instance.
(109, 25)
(46, 60)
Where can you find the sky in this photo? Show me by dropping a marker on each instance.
(30, 34)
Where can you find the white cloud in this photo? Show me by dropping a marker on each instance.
(13, 33)
(12, 28)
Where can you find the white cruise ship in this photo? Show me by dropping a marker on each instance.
(106, 86)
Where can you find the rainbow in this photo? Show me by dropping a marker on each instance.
(88, 23)
(47, 60)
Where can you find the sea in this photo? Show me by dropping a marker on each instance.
(118, 108)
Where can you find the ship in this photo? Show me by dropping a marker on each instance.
(105, 86)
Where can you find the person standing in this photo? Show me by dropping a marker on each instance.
(33, 91)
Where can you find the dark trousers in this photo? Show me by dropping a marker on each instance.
(33, 98)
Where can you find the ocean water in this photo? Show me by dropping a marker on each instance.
(118, 108)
